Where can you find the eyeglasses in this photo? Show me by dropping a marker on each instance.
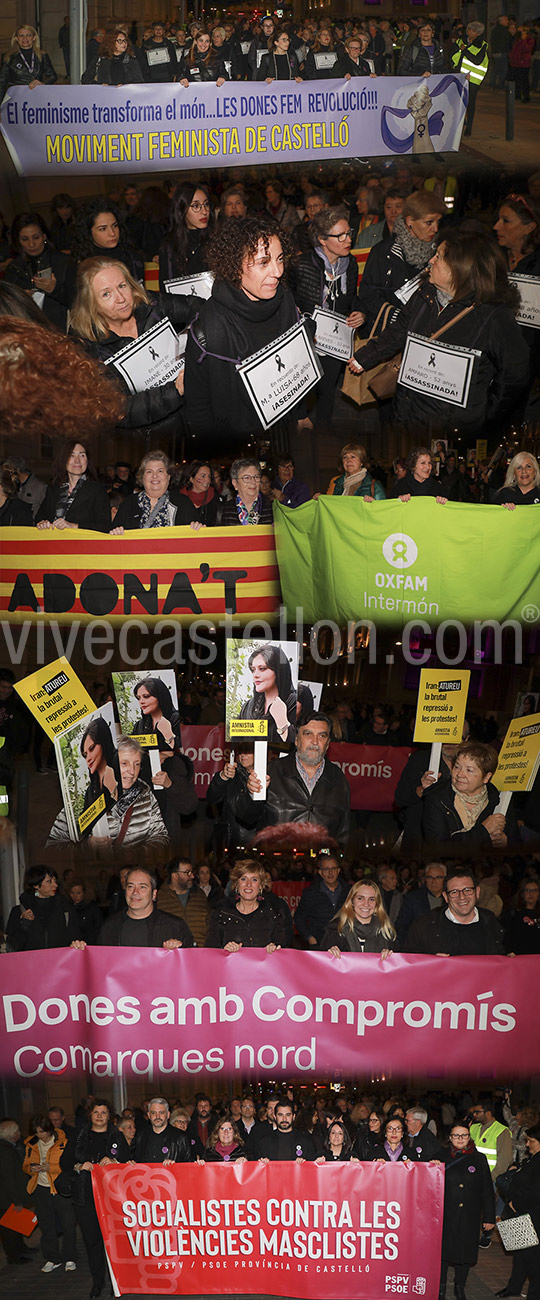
(394, 1128)
(345, 234)
(200, 207)
(467, 892)
(249, 478)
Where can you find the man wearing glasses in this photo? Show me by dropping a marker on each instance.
(461, 929)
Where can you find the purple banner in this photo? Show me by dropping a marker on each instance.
(86, 129)
(108, 1012)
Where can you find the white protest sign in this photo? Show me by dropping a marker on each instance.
(408, 289)
(152, 359)
(334, 338)
(324, 59)
(157, 56)
(279, 375)
(528, 287)
(440, 370)
(195, 286)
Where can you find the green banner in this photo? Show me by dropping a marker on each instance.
(393, 561)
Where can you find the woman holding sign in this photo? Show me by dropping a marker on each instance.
(464, 812)
(464, 362)
(111, 311)
(249, 309)
(326, 278)
(274, 697)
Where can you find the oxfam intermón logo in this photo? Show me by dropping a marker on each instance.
(400, 550)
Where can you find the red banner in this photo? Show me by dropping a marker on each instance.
(291, 891)
(134, 1012)
(372, 772)
(349, 1231)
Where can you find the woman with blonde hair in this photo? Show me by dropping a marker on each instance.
(249, 919)
(28, 65)
(355, 481)
(361, 925)
(521, 486)
(112, 310)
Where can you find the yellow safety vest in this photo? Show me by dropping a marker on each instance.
(476, 71)
(487, 1143)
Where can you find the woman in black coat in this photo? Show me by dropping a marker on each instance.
(392, 1148)
(42, 918)
(521, 486)
(151, 505)
(422, 57)
(469, 1206)
(250, 308)
(40, 270)
(524, 1198)
(248, 919)
(394, 264)
(464, 811)
(225, 1146)
(337, 1145)
(322, 58)
(101, 232)
(183, 252)
(75, 498)
(202, 64)
(111, 311)
(281, 63)
(115, 65)
(419, 481)
(522, 924)
(327, 277)
(95, 1144)
(28, 65)
(470, 297)
(351, 61)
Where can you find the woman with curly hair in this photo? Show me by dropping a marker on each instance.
(183, 251)
(75, 498)
(361, 925)
(273, 695)
(249, 919)
(111, 310)
(100, 232)
(249, 308)
(42, 372)
(28, 65)
(41, 270)
(116, 64)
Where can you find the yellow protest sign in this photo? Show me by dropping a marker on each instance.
(55, 696)
(95, 810)
(520, 754)
(442, 701)
(252, 728)
(145, 741)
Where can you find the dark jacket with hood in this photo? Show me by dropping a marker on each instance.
(55, 923)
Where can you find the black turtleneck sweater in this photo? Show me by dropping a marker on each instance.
(230, 328)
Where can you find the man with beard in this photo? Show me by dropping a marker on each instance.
(286, 1142)
(159, 1142)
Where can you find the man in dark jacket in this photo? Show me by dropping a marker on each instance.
(12, 1189)
(203, 1120)
(182, 897)
(159, 1142)
(286, 1142)
(303, 787)
(143, 925)
(320, 901)
(420, 1139)
(462, 929)
(420, 902)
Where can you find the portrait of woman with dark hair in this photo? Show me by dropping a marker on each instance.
(274, 696)
(99, 752)
(158, 713)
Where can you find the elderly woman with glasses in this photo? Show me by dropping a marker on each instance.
(248, 506)
(464, 812)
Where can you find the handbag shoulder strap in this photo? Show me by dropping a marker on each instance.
(383, 311)
(465, 312)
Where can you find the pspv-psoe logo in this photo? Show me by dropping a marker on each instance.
(397, 1283)
(399, 550)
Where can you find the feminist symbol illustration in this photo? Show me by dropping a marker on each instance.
(399, 551)
(154, 355)
(431, 361)
(280, 364)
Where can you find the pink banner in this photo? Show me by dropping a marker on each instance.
(349, 1231)
(205, 746)
(372, 772)
(109, 1012)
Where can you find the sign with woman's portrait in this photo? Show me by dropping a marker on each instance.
(86, 759)
(262, 686)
